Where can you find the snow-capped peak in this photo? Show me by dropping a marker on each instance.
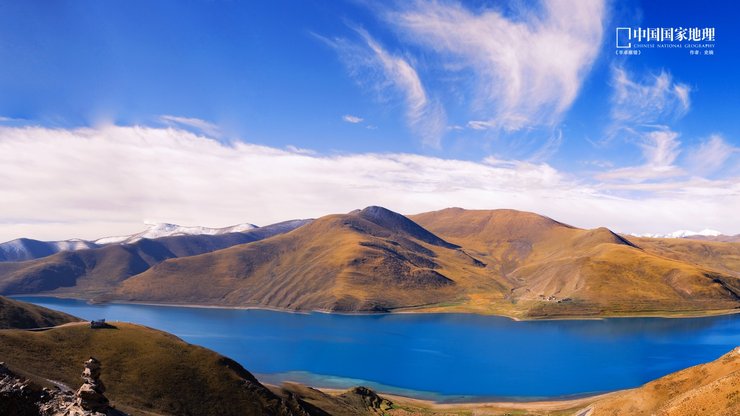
(158, 230)
(683, 233)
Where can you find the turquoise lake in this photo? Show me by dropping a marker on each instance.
(446, 357)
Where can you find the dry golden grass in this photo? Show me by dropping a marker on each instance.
(338, 262)
(14, 314)
(504, 262)
(144, 370)
(556, 270)
(707, 389)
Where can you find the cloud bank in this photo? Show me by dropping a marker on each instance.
(92, 182)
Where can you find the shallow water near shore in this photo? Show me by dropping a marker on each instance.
(443, 357)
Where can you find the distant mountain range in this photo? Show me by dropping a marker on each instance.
(160, 230)
(504, 262)
(684, 234)
(22, 249)
(705, 235)
(97, 269)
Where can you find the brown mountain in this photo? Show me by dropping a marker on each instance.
(366, 260)
(554, 269)
(504, 262)
(99, 270)
(15, 314)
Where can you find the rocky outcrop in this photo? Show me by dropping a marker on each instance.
(21, 397)
(368, 399)
(89, 399)
(18, 396)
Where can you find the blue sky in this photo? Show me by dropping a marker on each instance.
(530, 93)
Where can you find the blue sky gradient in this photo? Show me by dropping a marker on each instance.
(286, 74)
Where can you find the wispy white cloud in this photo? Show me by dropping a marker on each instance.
(349, 118)
(710, 155)
(549, 147)
(528, 65)
(480, 125)
(89, 182)
(655, 99)
(660, 148)
(370, 62)
(641, 110)
(203, 126)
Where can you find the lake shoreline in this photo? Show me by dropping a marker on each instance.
(534, 405)
(406, 310)
(507, 357)
(431, 398)
(484, 405)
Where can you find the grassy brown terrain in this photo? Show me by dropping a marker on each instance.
(358, 401)
(145, 371)
(504, 262)
(707, 389)
(556, 270)
(719, 238)
(369, 260)
(15, 314)
(721, 256)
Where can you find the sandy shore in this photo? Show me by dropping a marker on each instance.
(543, 405)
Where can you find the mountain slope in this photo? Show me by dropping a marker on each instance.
(372, 259)
(720, 256)
(706, 389)
(559, 270)
(145, 371)
(23, 249)
(719, 238)
(503, 262)
(99, 270)
(15, 314)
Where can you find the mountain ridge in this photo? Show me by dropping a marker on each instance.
(505, 262)
(23, 249)
(323, 265)
(93, 271)
(159, 230)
